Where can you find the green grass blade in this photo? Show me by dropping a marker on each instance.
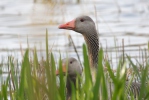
(100, 80)
(143, 83)
(47, 68)
(23, 81)
(4, 91)
(88, 78)
(53, 87)
(62, 82)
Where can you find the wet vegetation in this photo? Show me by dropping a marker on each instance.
(32, 79)
(35, 79)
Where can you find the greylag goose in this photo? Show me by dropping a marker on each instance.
(74, 68)
(86, 26)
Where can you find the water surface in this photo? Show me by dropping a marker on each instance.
(116, 20)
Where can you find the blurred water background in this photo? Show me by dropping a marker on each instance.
(123, 27)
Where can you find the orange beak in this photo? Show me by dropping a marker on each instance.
(69, 25)
(64, 70)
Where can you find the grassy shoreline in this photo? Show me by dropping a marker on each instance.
(36, 80)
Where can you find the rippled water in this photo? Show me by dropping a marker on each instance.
(116, 20)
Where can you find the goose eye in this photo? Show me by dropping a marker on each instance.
(71, 62)
(82, 20)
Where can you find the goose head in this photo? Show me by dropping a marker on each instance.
(86, 26)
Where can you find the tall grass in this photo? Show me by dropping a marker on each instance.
(37, 80)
